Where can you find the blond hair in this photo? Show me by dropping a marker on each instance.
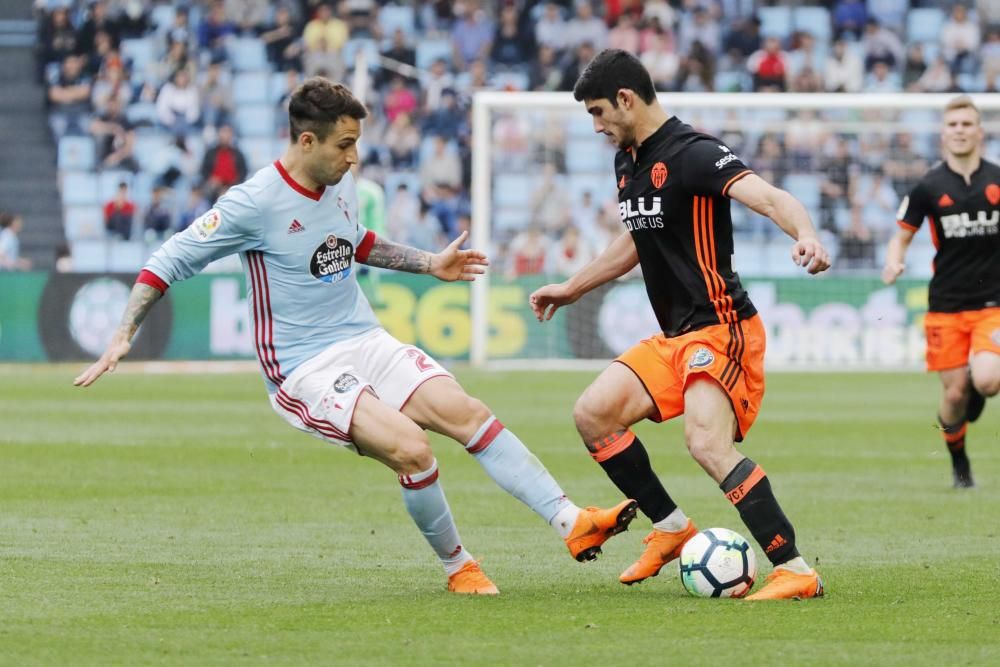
(962, 102)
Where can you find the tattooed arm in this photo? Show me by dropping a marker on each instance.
(139, 303)
(450, 264)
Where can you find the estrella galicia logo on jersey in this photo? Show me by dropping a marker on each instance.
(993, 194)
(344, 383)
(658, 175)
(701, 358)
(206, 225)
(331, 262)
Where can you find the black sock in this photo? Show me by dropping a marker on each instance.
(748, 488)
(626, 462)
(954, 439)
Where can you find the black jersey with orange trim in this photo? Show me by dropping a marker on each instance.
(672, 198)
(965, 229)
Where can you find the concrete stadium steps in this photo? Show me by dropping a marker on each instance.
(28, 178)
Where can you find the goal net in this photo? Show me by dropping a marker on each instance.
(544, 203)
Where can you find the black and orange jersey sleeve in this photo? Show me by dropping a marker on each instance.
(914, 208)
(709, 168)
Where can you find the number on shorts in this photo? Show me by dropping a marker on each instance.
(420, 359)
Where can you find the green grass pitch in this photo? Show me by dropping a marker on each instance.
(175, 519)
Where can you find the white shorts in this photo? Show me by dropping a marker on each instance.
(321, 395)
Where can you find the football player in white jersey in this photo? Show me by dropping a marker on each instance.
(329, 368)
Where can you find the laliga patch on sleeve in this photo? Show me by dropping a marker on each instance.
(903, 206)
(206, 225)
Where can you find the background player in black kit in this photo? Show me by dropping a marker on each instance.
(674, 186)
(961, 196)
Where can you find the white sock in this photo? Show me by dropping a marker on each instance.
(519, 472)
(565, 519)
(798, 565)
(673, 522)
(426, 504)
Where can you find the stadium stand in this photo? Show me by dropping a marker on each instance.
(241, 66)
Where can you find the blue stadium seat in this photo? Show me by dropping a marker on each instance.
(163, 17)
(924, 24)
(587, 155)
(600, 185)
(731, 82)
(397, 17)
(890, 13)
(971, 83)
(394, 179)
(107, 183)
(79, 188)
(510, 219)
(141, 112)
(429, 50)
(805, 188)
(139, 52)
(775, 21)
(83, 222)
(512, 190)
(89, 256)
(126, 256)
(255, 121)
(76, 153)
(353, 46)
(246, 53)
(149, 149)
(259, 151)
(814, 20)
(251, 87)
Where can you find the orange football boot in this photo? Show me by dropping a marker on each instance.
(783, 584)
(661, 547)
(471, 580)
(595, 526)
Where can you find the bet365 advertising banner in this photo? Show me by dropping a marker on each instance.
(827, 322)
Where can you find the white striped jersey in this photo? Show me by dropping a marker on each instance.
(298, 249)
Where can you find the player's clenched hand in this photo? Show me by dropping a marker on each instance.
(891, 271)
(810, 253)
(545, 301)
(117, 348)
(453, 263)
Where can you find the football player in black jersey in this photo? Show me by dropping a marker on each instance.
(961, 199)
(674, 187)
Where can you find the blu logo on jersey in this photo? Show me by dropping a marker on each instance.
(331, 262)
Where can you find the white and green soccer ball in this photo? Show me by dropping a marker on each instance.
(718, 563)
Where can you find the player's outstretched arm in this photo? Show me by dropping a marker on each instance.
(789, 214)
(895, 256)
(139, 302)
(449, 265)
(617, 259)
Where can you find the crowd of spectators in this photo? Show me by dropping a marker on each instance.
(417, 140)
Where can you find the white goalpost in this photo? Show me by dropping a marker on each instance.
(847, 157)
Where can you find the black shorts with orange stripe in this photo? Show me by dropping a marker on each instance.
(672, 198)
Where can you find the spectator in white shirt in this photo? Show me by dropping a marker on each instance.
(585, 27)
(178, 105)
(959, 38)
(845, 73)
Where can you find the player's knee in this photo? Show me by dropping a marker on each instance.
(413, 453)
(591, 417)
(956, 394)
(474, 411)
(987, 386)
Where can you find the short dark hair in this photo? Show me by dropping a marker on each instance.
(316, 106)
(610, 71)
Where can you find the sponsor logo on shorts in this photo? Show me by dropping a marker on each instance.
(995, 337)
(345, 383)
(702, 358)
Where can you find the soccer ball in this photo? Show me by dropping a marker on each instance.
(718, 563)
